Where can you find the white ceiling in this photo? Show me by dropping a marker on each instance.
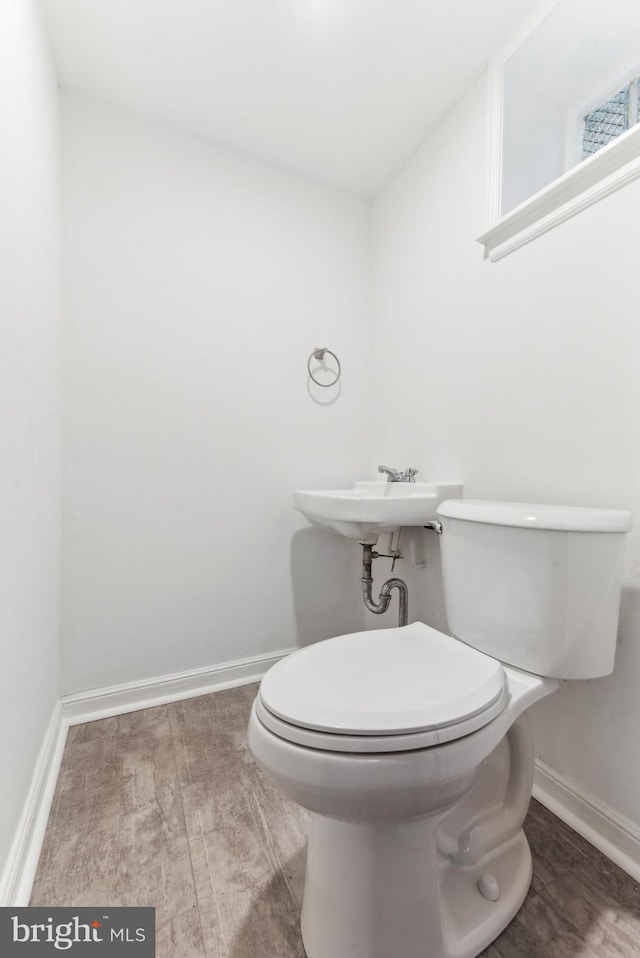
(338, 90)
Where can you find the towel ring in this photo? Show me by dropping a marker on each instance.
(319, 354)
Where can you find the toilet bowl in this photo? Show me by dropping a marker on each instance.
(380, 842)
(412, 749)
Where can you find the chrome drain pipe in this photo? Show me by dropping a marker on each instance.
(368, 555)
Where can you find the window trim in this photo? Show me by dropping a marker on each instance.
(604, 173)
(586, 183)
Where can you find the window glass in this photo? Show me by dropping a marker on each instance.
(606, 122)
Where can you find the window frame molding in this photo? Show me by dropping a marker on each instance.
(584, 184)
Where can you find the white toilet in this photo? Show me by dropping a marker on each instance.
(412, 749)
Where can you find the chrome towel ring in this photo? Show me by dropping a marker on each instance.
(319, 354)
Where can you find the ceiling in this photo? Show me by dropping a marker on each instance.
(341, 91)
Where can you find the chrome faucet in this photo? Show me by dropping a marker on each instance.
(394, 476)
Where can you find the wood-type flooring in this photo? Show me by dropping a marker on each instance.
(166, 807)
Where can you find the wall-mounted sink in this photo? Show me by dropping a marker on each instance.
(373, 508)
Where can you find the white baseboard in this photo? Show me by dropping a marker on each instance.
(611, 833)
(17, 877)
(133, 696)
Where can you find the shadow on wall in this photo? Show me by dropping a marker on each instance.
(426, 591)
(629, 624)
(325, 580)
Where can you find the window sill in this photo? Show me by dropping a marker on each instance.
(602, 174)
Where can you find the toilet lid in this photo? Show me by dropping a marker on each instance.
(385, 682)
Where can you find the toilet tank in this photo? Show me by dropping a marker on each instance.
(535, 586)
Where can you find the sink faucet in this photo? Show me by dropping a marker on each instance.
(394, 476)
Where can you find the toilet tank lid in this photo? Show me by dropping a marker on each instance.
(528, 515)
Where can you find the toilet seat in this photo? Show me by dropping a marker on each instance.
(382, 691)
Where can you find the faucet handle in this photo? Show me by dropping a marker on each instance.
(410, 474)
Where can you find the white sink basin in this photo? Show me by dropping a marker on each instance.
(372, 508)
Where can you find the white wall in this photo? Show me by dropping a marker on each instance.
(197, 284)
(520, 378)
(29, 403)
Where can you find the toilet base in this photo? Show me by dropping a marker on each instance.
(373, 891)
(470, 922)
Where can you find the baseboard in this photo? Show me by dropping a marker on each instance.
(17, 878)
(133, 696)
(611, 833)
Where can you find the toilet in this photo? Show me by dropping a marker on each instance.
(412, 749)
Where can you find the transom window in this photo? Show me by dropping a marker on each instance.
(564, 118)
(618, 113)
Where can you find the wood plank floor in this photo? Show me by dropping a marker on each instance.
(165, 807)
